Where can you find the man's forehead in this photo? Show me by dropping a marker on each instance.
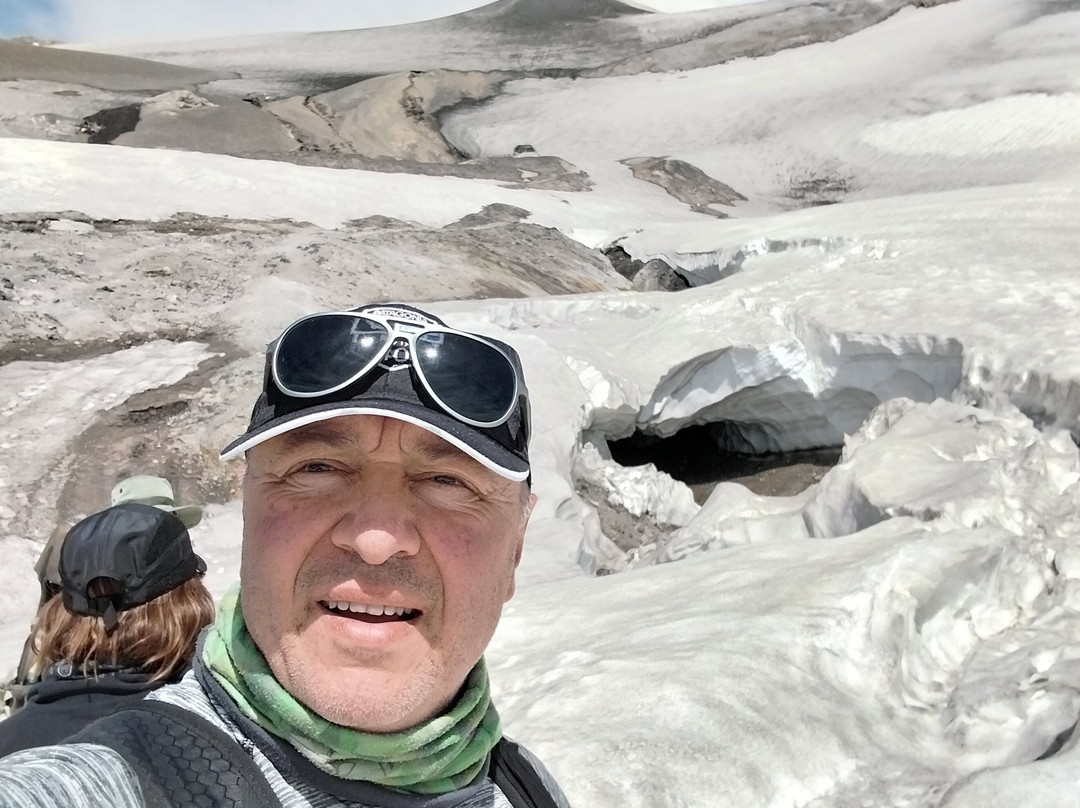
(368, 432)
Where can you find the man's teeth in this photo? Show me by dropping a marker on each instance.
(364, 608)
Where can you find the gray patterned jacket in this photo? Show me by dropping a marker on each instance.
(82, 775)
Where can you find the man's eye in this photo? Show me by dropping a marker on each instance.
(316, 467)
(446, 479)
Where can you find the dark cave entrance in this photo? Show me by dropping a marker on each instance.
(702, 456)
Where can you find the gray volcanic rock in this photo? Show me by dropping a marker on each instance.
(219, 124)
(647, 276)
(47, 110)
(658, 276)
(105, 125)
(389, 116)
(548, 173)
(81, 282)
(686, 183)
(105, 72)
(493, 214)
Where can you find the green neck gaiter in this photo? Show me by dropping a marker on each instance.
(438, 756)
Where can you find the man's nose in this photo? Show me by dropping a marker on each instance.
(378, 525)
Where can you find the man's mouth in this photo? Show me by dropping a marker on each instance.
(369, 612)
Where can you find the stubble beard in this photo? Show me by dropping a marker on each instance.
(386, 711)
(369, 707)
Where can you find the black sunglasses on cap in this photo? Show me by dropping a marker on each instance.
(466, 375)
(394, 360)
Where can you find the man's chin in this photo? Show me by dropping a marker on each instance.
(372, 700)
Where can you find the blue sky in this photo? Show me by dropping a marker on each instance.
(24, 16)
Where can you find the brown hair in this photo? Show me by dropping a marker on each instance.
(157, 637)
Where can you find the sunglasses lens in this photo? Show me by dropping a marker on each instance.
(320, 354)
(470, 377)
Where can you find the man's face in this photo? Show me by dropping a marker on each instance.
(376, 561)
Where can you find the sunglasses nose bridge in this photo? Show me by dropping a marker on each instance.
(399, 351)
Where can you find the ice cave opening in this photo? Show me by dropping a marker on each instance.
(701, 456)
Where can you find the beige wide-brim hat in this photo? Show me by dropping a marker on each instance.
(143, 489)
(157, 491)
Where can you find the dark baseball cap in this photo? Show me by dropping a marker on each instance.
(145, 549)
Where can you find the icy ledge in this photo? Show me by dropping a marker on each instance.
(803, 394)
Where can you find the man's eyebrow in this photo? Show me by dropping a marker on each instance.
(326, 434)
(432, 447)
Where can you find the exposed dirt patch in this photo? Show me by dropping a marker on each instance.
(148, 435)
(827, 189)
(777, 475)
(58, 350)
(625, 530)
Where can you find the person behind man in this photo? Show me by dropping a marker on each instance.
(140, 489)
(385, 501)
(131, 606)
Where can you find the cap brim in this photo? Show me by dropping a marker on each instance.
(190, 515)
(481, 448)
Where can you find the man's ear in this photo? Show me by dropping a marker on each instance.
(526, 513)
(524, 524)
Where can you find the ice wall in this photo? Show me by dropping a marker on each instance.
(807, 393)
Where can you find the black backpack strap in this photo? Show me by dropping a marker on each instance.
(181, 758)
(518, 779)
